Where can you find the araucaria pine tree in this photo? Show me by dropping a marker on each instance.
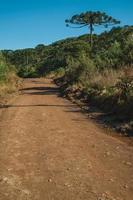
(91, 19)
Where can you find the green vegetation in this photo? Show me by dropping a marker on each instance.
(111, 50)
(8, 78)
(101, 73)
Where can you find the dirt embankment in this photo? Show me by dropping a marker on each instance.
(121, 123)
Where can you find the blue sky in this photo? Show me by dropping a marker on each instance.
(26, 23)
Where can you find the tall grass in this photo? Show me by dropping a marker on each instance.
(106, 78)
(8, 78)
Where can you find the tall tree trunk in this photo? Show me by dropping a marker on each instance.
(27, 59)
(91, 31)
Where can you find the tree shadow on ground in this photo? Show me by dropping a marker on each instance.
(34, 105)
(41, 91)
(107, 120)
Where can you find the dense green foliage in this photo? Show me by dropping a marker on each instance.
(101, 74)
(113, 49)
(97, 70)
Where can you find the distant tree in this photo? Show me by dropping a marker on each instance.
(91, 19)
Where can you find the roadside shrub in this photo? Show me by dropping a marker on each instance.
(125, 88)
(3, 72)
(28, 72)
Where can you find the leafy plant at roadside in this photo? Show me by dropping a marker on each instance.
(125, 88)
(8, 79)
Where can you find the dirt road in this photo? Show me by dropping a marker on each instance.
(51, 151)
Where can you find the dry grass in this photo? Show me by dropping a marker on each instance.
(108, 77)
(10, 85)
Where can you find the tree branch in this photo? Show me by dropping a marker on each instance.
(77, 27)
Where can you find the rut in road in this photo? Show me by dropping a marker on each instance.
(49, 150)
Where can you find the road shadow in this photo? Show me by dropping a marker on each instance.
(37, 90)
(35, 105)
(41, 91)
(107, 120)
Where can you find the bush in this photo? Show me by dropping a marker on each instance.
(28, 72)
(125, 88)
(3, 72)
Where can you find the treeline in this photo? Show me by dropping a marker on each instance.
(113, 49)
(101, 73)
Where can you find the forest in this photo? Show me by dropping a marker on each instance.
(99, 71)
